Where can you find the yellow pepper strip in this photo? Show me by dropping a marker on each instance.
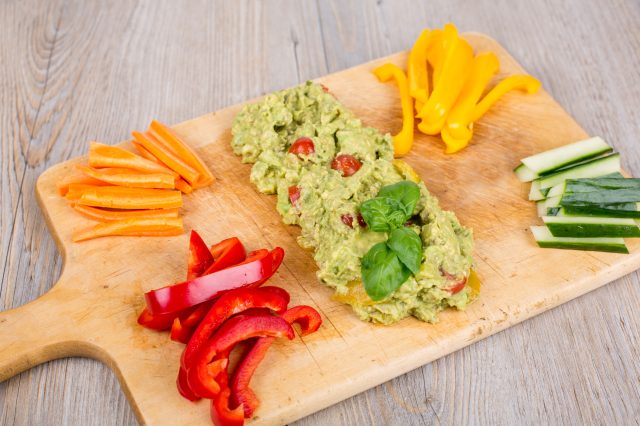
(403, 140)
(417, 68)
(520, 82)
(435, 51)
(458, 131)
(457, 61)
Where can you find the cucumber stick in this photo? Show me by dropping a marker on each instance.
(553, 159)
(524, 173)
(631, 210)
(602, 196)
(545, 239)
(591, 169)
(591, 227)
(544, 205)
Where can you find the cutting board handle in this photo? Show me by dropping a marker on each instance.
(38, 332)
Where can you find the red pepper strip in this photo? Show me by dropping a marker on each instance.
(222, 415)
(241, 394)
(279, 291)
(201, 381)
(183, 327)
(254, 271)
(200, 258)
(230, 303)
(155, 322)
(277, 255)
(226, 253)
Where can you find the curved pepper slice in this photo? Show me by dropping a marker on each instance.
(417, 68)
(221, 414)
(241, 394)
(403, 140)
(457, 132)
(228, 304)
(200, 257)
(226, 253)
(201, 378)
(252, 272)
(521, 82)
(450, 77)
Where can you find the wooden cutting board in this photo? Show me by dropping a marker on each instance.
(92, 310)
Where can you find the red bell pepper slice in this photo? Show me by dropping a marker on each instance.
(252, 272)
(222, 415)
(199, 376)
(200, 258)
(155, 322)
(226, 253)
(230, 303)
(241, 394)
(184, 326)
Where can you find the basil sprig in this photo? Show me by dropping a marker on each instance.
(387, 265)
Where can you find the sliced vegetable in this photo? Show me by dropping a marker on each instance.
(594, 168)
(630, 210)
(130, 178)
(403, 140)
(138, 227)
(513, 82)
(346, 164)
(200, 257)
(184, 151)
(303, 146)
(567, 226)
(556, 158)
(120, 197)
(167, 157)
(257, 268)
(227, 253)
(101, 155)
(545, 239)
(524, 173)
(77, 178)
(104, 215)
(603, 196)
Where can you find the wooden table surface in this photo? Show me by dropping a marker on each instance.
(73, 71)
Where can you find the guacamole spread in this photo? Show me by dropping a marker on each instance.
(323, 164)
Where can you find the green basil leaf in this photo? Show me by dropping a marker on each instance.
(383, 214)
(382, 272)
(407, 245)
(406, 192)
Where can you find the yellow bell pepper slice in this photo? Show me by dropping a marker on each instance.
(435, 51)
(403, 140)
(459, 128)
(417, 68)
(521, 82)
(456, 62)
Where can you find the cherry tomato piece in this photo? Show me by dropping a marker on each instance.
(302, 145)
(346, 164)
(294, 195)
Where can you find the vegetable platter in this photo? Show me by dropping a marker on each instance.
(92, 311)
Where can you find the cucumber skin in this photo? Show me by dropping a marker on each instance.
(608, 248)
(604, 196)
(602, 210)
(593, 230)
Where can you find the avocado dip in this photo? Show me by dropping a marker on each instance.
(297, 140)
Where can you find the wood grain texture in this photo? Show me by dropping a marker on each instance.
(578, 363)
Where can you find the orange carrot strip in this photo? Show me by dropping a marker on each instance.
(170, 159)
(184, 151)
(121, 197)
(77, 177)
(102, 215)
(75, 190)
(101, 155)
(183, 186)
(130, 178)
(132, 227)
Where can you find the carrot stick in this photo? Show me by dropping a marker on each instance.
(75, 190)
(78, 178)
(101, 155)
(132, 227)
(181, 184)
(102, 215)
(130, 178)
(163, 154)
(184, 151)
(120, 197)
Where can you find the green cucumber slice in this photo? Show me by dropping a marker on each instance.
(630, 210)
(589, 227)
(556, 158)
(591, 169)
(602, 196)
(545, 239)
(544, 205)
(524, 173)
(534, 192)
